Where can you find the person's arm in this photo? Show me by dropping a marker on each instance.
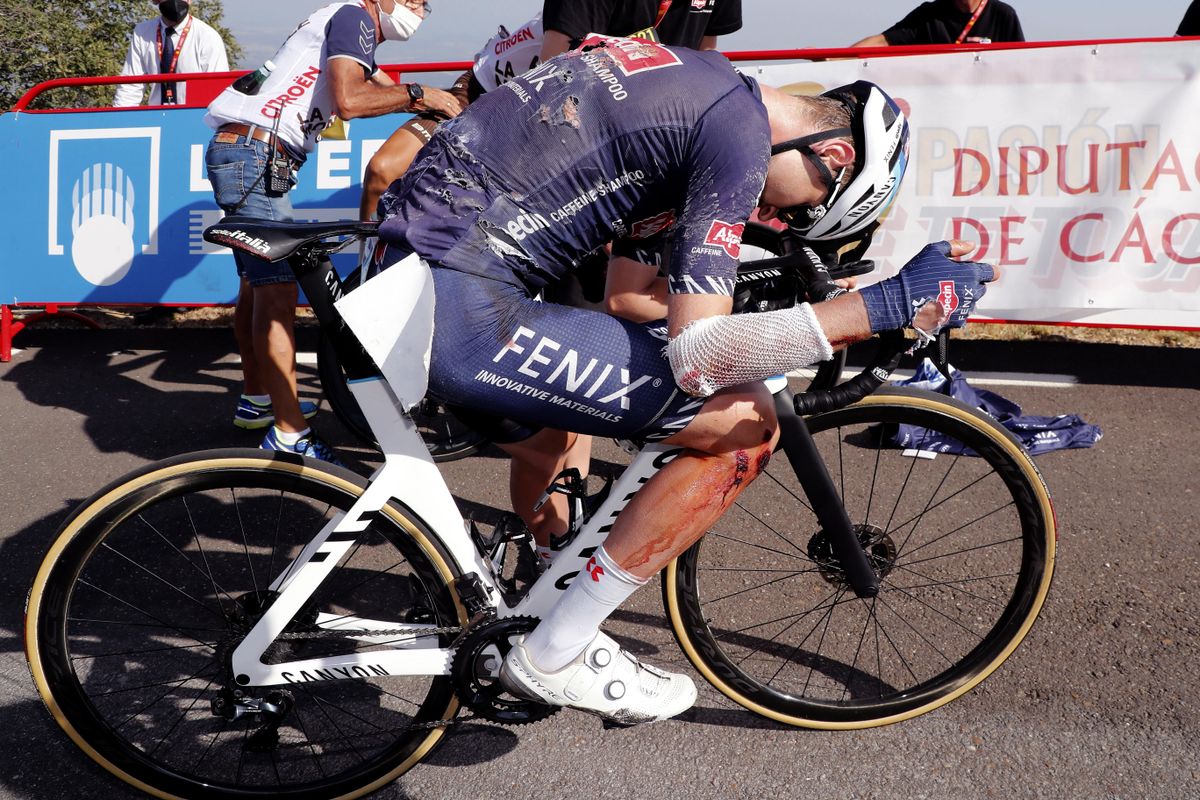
(357, 97)
(564, 20)
(553, 43)
(634, 291)
(217, 59)
(710, 350)
(878, 40)
(1018, 34)
(131, 94)
(726, 18)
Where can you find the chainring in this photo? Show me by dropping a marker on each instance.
(476, 674)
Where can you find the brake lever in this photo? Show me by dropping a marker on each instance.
(942, 358)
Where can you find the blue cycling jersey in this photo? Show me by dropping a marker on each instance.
(622, 140)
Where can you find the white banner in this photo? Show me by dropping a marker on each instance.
(1076, 170)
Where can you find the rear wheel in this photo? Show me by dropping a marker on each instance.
(154, 581)
(963, 545)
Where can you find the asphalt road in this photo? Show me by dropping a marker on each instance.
(1101, 701)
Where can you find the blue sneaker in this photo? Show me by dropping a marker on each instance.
(310, 446)
(252, 416)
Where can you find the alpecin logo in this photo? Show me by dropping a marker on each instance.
(726, 235)
(632, 55)
(947, 297)
(645, 228)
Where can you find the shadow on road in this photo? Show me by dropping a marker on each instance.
(1091, 363)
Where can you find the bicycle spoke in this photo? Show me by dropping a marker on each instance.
(182, 715)
(959, 529)
(136, 609)
(199, 603)
(950, 538)
(149, 631)
(772, 550)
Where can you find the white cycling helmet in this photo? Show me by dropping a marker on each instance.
(880, 134)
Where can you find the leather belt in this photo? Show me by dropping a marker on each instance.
(258, 134)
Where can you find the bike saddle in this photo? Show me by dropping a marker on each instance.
(275, 241)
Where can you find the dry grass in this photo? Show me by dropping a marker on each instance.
(1063, 333)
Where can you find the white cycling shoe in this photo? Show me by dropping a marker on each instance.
(603, 680)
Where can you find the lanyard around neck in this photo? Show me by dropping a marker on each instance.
(158, 41)
(663, 7)
(971, 23)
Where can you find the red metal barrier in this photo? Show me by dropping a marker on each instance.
(203, 87)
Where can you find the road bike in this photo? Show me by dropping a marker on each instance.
(449, 438)
(239, 623)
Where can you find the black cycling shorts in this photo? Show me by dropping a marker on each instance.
(505, 354)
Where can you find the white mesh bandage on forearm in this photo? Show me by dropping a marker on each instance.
(715, 352)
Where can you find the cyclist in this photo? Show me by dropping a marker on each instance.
(626, 139)
(505, 55)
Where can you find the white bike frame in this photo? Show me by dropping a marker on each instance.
(409, 477)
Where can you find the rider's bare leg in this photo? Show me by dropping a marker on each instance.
(536, 462)
(728, 444)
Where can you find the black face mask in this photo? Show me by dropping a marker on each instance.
(174, 10)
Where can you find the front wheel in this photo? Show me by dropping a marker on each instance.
(963, 545)
(152, 583)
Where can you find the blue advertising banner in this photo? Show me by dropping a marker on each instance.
(108, 207)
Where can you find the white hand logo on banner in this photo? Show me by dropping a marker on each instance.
(102, 224)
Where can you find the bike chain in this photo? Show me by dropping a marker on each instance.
(394, 632)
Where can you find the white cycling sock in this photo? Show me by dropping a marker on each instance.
(571, 625)
(290, 439)
(545, 555)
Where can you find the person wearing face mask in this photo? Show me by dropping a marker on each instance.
(326, 68)
(174, 41)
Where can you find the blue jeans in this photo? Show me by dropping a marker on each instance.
(237, 172)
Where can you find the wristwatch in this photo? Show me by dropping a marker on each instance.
(416, 93)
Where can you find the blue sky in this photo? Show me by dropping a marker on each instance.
(457, 28)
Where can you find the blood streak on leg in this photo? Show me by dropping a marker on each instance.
(741, 465)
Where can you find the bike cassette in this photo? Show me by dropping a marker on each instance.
(476, 673)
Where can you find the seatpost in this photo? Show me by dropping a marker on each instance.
(814, 478)
(322, 286)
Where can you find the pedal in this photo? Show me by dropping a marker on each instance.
(609, 725)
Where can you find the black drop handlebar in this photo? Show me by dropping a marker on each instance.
(819, 285)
